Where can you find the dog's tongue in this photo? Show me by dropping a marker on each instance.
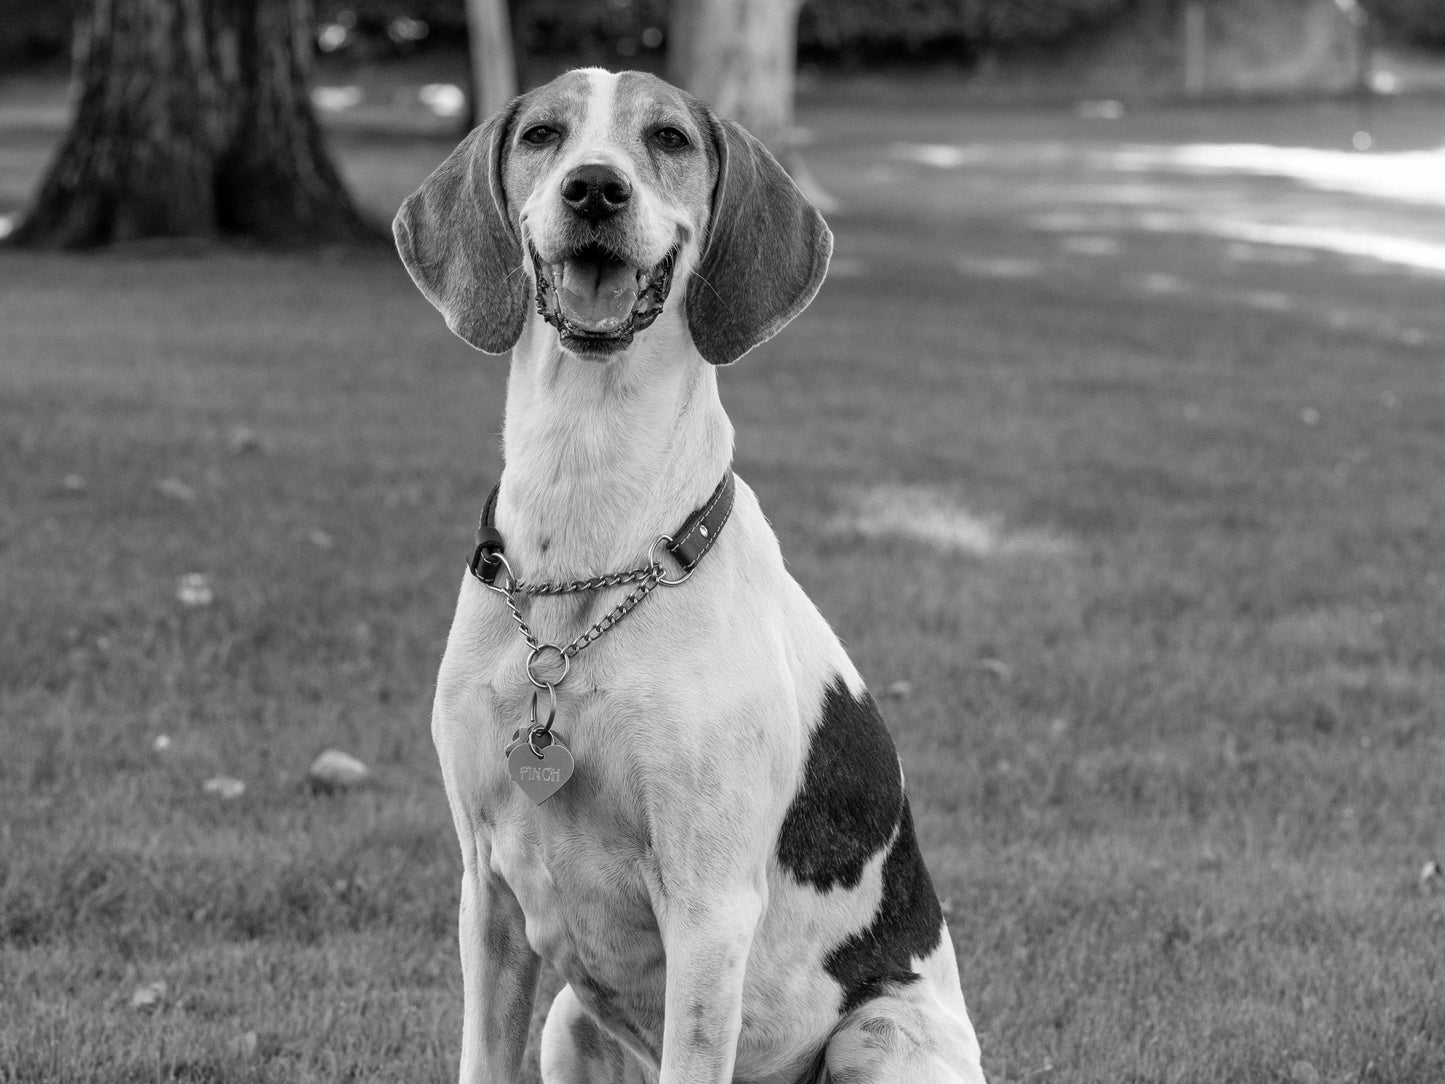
(597, 297)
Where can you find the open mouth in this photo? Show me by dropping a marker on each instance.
(596, 300)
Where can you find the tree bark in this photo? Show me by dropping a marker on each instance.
(494, 67)
(740, 57)
(193, 119)
(275, 180)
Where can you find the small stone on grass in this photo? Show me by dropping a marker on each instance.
(334, 770)
(224, 786)
(193, 589)
(149, 997)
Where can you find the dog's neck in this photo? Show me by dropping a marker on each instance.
(604, 456)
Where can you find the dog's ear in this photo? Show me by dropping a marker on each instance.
(766, 254)
(455, 236)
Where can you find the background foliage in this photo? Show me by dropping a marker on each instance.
(1422, 21)
(828, 31)
(895, 28)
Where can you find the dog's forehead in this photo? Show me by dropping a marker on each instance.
(565, 98)
(605, 102)
(640, 97)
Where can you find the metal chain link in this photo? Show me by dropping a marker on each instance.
(614, 579)
(650, 576)
(621, 610)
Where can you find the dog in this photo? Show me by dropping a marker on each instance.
(728, 881)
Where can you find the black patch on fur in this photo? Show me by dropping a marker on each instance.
(846, 809)
(908, 925)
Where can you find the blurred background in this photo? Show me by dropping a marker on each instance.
(214, 103)
(1113, 448)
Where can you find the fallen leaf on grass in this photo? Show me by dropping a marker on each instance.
(176, 489)
(899, 690)
(162, 743)
(73, 482)
(149, 997)
(224, 786)
(995, 668)
(1432, 877)
(320, 539)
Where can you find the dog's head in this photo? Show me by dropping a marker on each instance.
(588, 200)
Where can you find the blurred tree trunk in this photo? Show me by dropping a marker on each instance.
(494, 67)
(193, 118)
(741, 57)
(275, 180)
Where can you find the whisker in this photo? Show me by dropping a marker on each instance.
(698, 275)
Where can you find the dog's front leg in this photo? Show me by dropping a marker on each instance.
(499, 980)
(707, 940)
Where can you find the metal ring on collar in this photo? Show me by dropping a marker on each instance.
(532, 661)
(495, 585)
(542, 728)
(666, 540)
(532, 742)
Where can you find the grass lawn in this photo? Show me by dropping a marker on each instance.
(1146, 506)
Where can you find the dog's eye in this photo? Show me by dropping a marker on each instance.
(669, 139)
(540, 134)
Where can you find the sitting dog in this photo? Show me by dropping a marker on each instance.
(692, 810)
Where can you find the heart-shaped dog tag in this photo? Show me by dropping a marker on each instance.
(540, 777)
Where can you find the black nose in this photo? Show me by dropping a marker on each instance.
(596, 192)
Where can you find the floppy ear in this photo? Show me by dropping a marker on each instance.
(766, 254)
(456, 238)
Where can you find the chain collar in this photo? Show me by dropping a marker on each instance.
(688, 546)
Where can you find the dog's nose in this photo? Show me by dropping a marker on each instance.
(596, 192)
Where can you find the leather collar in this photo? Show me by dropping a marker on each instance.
(688, 545)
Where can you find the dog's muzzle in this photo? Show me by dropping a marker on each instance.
(598, 301)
